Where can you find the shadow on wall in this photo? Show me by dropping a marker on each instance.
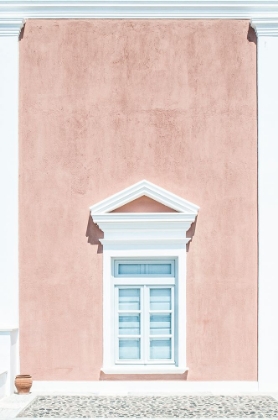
(94, 234)
(21, 35)
(251, 35)
(190, 233)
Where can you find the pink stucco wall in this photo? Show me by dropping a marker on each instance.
(104, 104)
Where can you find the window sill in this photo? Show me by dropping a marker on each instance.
(143, 370)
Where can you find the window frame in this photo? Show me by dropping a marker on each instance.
(177, 254)
(146, 283)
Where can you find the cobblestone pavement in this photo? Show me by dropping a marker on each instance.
(152, 406)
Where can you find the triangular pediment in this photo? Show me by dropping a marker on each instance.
(144, 204)
(144, 192)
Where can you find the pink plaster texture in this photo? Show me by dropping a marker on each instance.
(105, 104)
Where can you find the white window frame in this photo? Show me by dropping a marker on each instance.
(131, 236)
(144, 284)
(109, 365)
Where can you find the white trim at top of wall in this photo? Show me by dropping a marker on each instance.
(144, 387)
(178, 9)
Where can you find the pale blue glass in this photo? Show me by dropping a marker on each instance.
(144, 269)
(159, 269)
(129, 299)
(160, 349)
(129, 349)
(160, 324)
(160, 299)
(129, 269)
(129, 324)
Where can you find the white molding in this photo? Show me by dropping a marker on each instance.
(11, 27)
(144, 188)
(143, 387)
(159, 243)
(144, 230)
(265, 27)
(178, 9)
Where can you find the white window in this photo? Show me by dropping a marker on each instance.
(144, 282)
(144, 328)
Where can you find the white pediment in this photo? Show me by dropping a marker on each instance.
(140, 189)
(145, 229)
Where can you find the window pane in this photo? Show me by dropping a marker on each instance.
(129, 349)
(159, 269)
(129, 324)
(130, 269)
(129, 299)
(134, 269)
(160, 324)
(160, 349)
(160, 299)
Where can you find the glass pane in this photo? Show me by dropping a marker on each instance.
(129, 324)
(159, 269)
(160, 299)
(129, 299)
(129, 269)
(160, 324)
(160, 349)
(129, 349)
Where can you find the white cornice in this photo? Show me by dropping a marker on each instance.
(10, 27)
(265, 27)
(175, 9)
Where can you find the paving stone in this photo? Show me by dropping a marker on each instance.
(186, 406)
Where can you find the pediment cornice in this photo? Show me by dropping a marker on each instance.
(140, 189)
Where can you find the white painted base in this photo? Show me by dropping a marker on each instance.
(3, 381)
(143, 387)
(8, 357)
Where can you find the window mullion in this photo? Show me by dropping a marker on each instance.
(146, 324)
(116, 326)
